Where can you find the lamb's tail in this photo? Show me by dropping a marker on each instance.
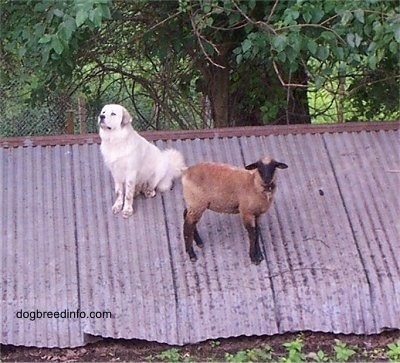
(176, 161)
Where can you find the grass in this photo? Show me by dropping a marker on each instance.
(291, 351)
(285, 348)
(393, 352)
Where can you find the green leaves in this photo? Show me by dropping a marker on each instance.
(394, 24)
(91, 13)
(45, 39)
(66, 28)
(65, 19)
(394, 351)
(343, 352)
(359, 15)
(360, 40)
(246, 45)
(290, 15)
(81, 17)
(312, 46)
(294, 350)
(322, 53)
(56, 44)
(312, 13)
(279, 42)
(346, 17)
(354, 40)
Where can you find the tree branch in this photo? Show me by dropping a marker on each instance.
(283, 83)
(199, 38)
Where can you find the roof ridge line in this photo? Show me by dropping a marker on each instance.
(267, 130)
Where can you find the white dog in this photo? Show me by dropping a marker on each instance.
(135, 164)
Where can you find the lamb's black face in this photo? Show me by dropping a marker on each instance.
(267, 172)
(266, 168)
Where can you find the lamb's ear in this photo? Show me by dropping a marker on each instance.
(252, 166)
(280, 165)
(126, 117)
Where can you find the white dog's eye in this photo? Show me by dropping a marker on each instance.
(113, 114)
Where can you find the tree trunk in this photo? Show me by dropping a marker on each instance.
(296, 110)
(340, 99)
(216, 87)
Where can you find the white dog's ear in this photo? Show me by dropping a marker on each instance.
(126, 117)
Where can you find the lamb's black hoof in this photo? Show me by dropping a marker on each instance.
(197, 239)
(200, 244)
(192, 255)
(257, 259)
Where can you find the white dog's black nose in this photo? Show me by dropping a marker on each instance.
(102, 122)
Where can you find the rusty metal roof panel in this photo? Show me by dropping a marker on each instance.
(330, 240)
(38, 248)
(212, 295)
(123, 264)
(366, 167)
(299, 235)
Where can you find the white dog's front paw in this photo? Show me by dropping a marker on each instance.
(117, 207)
(127, 212)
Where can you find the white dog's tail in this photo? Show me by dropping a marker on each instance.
(176, 160)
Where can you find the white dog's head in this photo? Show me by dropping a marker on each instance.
(113, 117)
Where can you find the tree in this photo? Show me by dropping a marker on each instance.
(107, 54)
(309, 45)
(247, 62)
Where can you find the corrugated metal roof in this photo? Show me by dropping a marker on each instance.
(331, 241)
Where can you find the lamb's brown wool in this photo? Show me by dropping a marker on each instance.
(227, 189)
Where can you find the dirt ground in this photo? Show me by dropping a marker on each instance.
(369, 348)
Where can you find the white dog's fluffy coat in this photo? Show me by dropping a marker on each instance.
(135, 164)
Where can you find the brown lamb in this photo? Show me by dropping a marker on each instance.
(224, 188)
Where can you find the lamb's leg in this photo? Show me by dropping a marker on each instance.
(129, 195)
(119, 201)
(190, 232)
(196, 235)
(251, 224)
(197, 238)
(258, 253)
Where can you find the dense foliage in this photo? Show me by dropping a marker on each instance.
(197, 63)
